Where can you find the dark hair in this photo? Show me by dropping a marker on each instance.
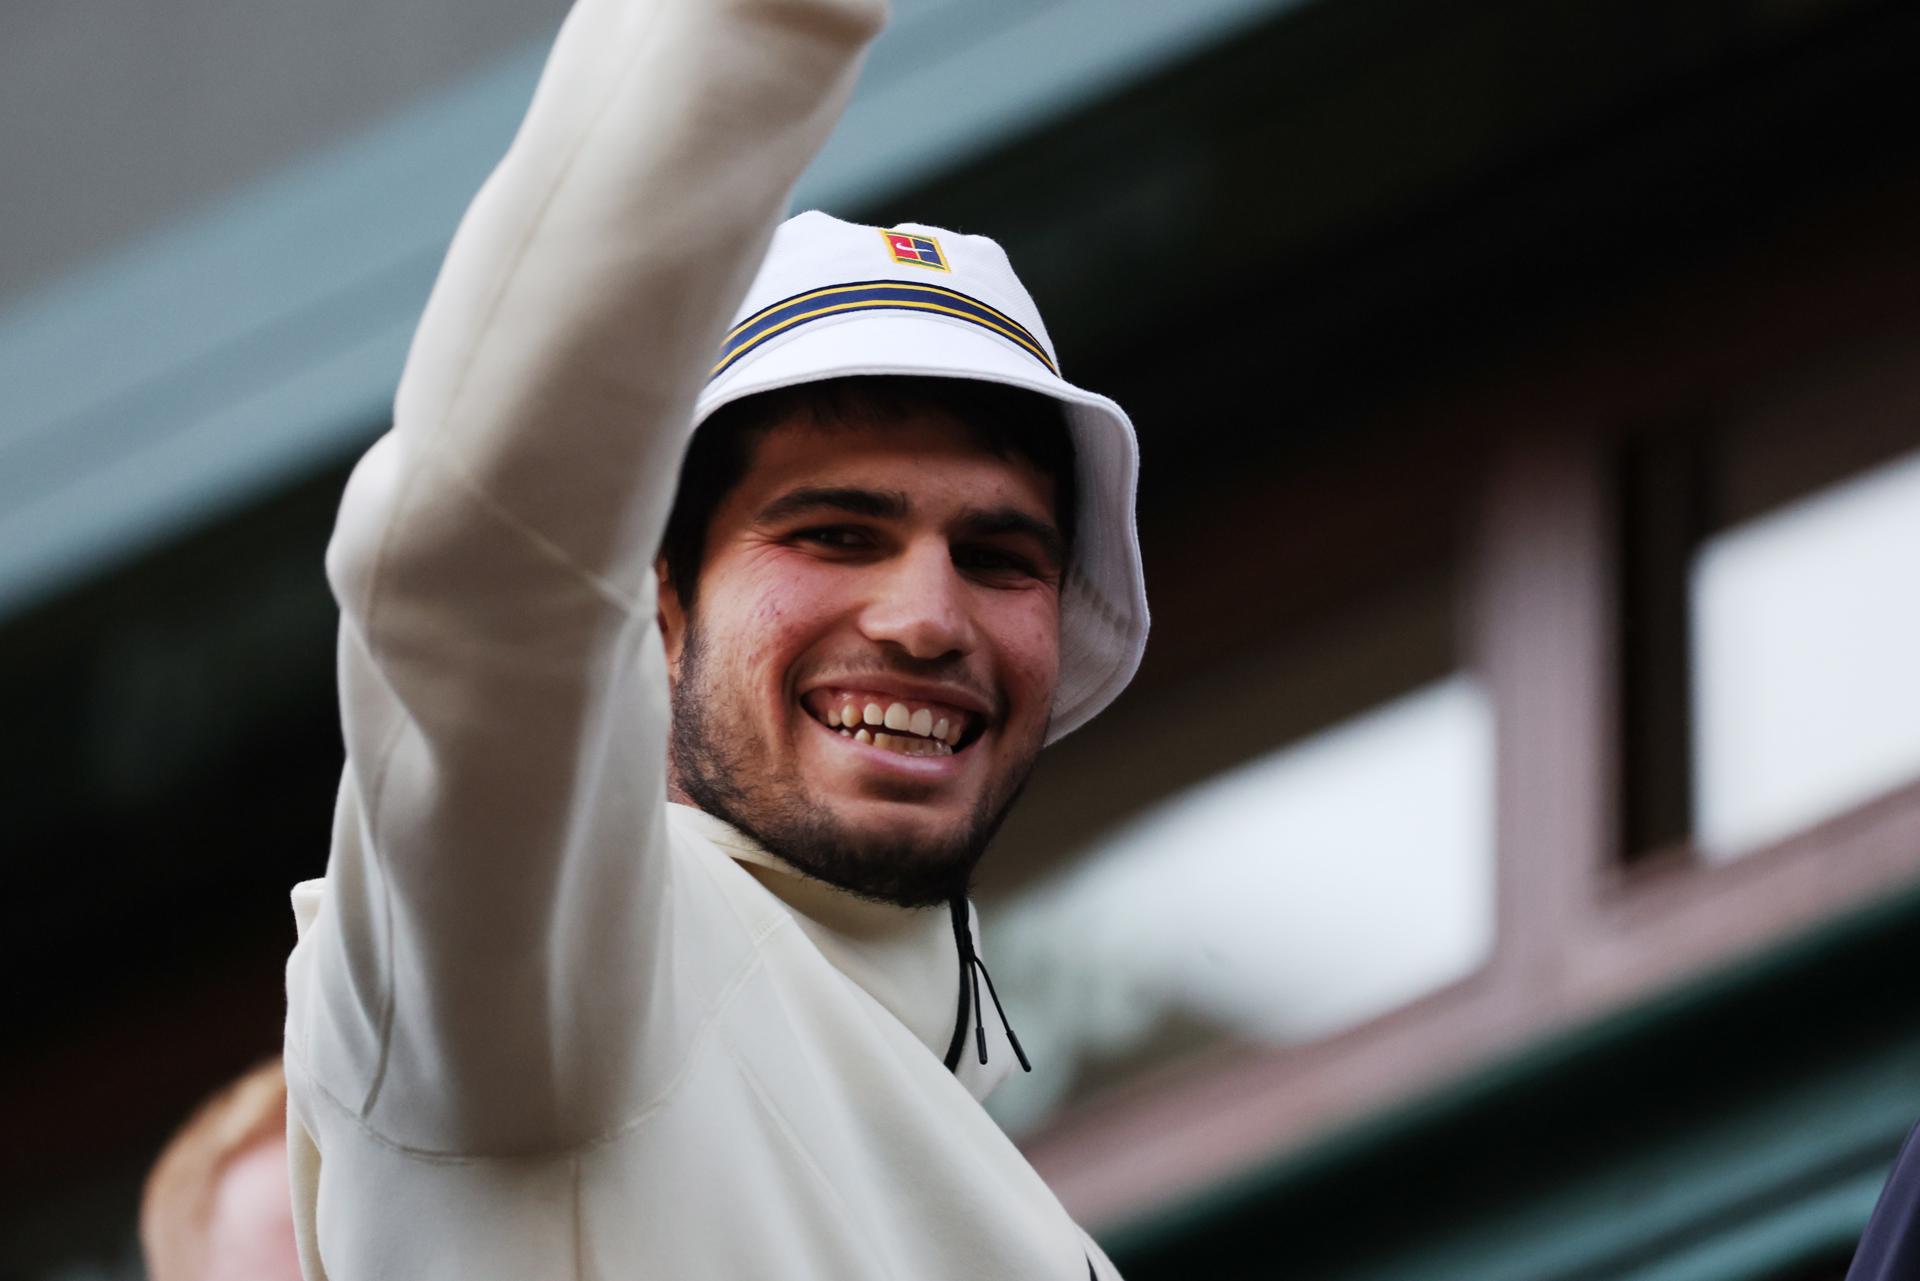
(1009, 422)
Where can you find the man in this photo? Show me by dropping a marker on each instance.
(215, 1207)
(1889, 1249)
(642, 950)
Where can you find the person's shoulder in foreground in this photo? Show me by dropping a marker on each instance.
(1889, 1249)
(643, 946)
(215, 1205)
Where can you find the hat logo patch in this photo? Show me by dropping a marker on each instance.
(919, 251)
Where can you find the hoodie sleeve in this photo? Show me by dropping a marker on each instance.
(498, 847)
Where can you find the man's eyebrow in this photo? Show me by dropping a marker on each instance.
(881, 504)
(997, 521)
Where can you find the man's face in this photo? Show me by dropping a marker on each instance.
(893, 572)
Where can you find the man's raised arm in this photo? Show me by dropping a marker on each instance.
(477, 975)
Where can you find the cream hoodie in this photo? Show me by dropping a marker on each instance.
(543, 1024)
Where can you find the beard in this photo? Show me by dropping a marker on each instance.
(717, 762)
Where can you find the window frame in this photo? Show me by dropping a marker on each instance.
(1580, 931)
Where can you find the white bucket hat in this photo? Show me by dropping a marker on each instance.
(837, 299)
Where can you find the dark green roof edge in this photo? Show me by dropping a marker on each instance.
(1697, 1124)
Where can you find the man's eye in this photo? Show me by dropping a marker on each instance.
(845, 537)
(994, 560)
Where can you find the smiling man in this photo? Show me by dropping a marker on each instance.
(698, 629)
(894, 549)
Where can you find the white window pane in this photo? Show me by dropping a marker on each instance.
(1806, 661)
(1302, 892)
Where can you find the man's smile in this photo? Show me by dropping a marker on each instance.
(908, 726)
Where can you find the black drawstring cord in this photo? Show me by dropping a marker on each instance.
(972, 968)
(963, 944)
(979, 1027)
(1012, 1040)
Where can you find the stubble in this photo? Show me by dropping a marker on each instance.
(716, 763)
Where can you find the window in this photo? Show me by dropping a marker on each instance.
(1295, 895)
(1805, 627)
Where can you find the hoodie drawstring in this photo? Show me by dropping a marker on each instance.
(972, 970)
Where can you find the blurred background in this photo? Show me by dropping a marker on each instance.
(1507, 864)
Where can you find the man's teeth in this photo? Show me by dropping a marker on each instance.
(901, 743)
(911, 746)
(924, 735)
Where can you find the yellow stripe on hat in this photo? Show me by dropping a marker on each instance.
(873, 295)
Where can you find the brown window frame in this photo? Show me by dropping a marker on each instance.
(1580, 930)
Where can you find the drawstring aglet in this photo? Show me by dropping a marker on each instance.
(1018, 1053)
(979, 1025)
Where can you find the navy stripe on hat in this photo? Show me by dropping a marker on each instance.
(873, 295)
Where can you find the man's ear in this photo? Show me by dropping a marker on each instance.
(672, 617)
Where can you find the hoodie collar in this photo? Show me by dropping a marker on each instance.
(904, 958)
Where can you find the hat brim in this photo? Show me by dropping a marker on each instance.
(1103, 602)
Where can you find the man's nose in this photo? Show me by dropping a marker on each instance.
(919, 604)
